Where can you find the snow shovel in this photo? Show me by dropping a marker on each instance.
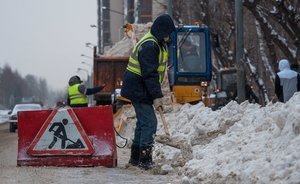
(166, 139)
(122, 119)
(165, 124)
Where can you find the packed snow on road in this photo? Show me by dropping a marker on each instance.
(4, 116)
(240, 143)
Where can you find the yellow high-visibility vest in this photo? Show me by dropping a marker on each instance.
(134, 65)
(75, 96)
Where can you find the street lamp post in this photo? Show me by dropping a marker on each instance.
(88, 84)
(100, 22)
(90, 45)
(82, 55)
(117, 12)
(99, 37)
(87, 73)
(88, 64)
(170, 8)
(240, 58)
(91, 76)
(100, 27)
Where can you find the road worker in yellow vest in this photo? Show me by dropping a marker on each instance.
(142, 86)
(77, 92)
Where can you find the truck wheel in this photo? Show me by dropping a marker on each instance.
(11, 128)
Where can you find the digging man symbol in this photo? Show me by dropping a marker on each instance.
(60, 133)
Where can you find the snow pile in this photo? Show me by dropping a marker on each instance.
(123, 47)
(243, 143)
(4, 116)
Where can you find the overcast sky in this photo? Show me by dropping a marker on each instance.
(47, 37)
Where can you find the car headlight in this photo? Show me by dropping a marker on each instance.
(13, 117)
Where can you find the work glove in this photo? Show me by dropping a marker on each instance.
(158, 103)
(102, 86)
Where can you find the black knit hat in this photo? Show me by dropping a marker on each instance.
(74, 80)
(162, 27)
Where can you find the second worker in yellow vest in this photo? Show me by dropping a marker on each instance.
(77, 92)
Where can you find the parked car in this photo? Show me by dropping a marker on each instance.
(13, 115)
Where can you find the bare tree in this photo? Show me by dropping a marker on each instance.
(271, 31)
(13, 88)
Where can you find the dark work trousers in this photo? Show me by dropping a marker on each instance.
(146, 124)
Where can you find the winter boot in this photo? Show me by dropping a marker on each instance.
(146, 158)
(135, 155)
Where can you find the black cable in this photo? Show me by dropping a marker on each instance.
(122, 138)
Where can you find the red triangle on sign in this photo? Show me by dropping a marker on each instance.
(61, 134)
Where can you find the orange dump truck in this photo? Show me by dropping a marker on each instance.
(108, 70)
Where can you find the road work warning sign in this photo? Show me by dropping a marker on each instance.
(67, 136)
(61, 134)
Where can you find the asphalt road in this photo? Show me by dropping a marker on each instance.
(10, 173)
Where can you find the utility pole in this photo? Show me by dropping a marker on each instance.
(98, 24)
(100, 27)
(240, 51)
(170, 8)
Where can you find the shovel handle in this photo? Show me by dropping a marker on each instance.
(120, 125)
(165, 124)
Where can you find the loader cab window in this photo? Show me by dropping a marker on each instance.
(191, 52)
(190, 63)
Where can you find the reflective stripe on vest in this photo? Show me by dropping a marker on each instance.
(75, 96)
(134, 65)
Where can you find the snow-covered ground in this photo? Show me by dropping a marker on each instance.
(3, 116)
(243, 143)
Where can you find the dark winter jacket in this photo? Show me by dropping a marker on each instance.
(146, 88)
(287, 81)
